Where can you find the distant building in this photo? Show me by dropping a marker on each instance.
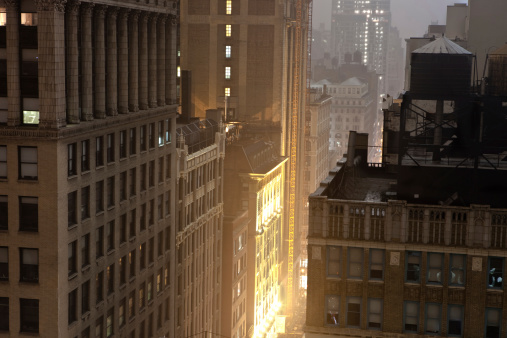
(395, 60)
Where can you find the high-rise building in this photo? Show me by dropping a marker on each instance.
(363, 27)
(86, 168)
(199, 199)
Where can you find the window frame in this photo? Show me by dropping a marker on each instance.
(493, 286)
(449, 310)
(407, 255)
(3, 161)
(405, 316)
(486, 315)
(28, 217)
(427, 318)
(33, 269)
(349, 299)
(85, 156)
(381, 313)
(463, 269)
(339, 261)
(99, 151)
(31, 306)
(350, 262)
(4, 263)
(429, 267)
(24, 163)
(383, 252)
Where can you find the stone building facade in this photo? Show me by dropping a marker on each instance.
(199, 198)
(86, 172)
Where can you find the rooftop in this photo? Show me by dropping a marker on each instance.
(441, 46)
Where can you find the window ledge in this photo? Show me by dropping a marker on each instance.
(111, 207)
(73, 226)
(110, 251)
(123, 159)
(28, 180)
(99, 213)
(85, 268)
(73, 275)
(85, 172)
(70, 177)
(99, 167)
(85, 315)
(132, 238)
(99, 304)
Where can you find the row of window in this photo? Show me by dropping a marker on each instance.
(413, 264)
(28, 264)
(106, 151)
(28, 314)
(28, 213)
(146, 251)
(27, 163)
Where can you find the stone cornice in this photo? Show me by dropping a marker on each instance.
(100, 11)
(50, 5)
(87, 8)
(73, 7)
(12, 4)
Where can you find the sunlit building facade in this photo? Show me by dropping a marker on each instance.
(200, 156)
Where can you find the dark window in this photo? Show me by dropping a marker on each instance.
(411, 317)
(72, 259)
(167, 203)
(493, 323)
(110, 148)
(142, 137)
(28, 163)
(160, 243)
(123, 186)
(29, 269)
(495, 272)
(72, 208)
(132, 263)
(29, 315)
(99, 287)
(4, 212)
(168, 166)
(455, 325)
(142, 218)
(413, 266)
(377, 264)
(123, 228)
(160, 202)
(141, 296)
(72, 311)
(123, 144)
(85, 155)
(99, 197)
(354, 311)
(132, 304)
(99, 151)
(151, 134)
(85, 203)
(4, 263)
(85, 297)
(110, 192)
(99, 242)
(132, 139)
(123, 270)
(86, 333)
(151, 252)
(132, 182)
(99, 330)
(152, 213)
(71, 159)
(110, 236)
(4, 313)
(142, 256)
(28, 214)
(121, 312)
(132, 224)
(151, 174)
(143, 177)
(110, 279)
(85, 250)
(161, 169)
(3, 161)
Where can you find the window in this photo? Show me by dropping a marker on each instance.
(332, 310)
(167, 131)
(121, 313)
(151, 250)
(28, 163)
(110, 322)
(356, 263)
(99, 287)
(4, 263)
(142, 218)
(411, 317)
(99, 197)
(29, 315)
(413, 266)
(132, 225)
(141, 296)
(123, 186)
(228, 7)
(99, 327)
(110, 236)
(375, 314)
(99, 151)
(167, 203)
(85, 155)
(123, 228)
(142, 137)
(149, 293)
(122, 262)
(455, 321)
(28, 214)
(85, 297)
(4, 314)
(151, 174)
(72, 258)
(159, 280)
(354, 311)
(161, 169)
(132, 141)
(71, 159)
(227, 73)
(85, 250)
(71, 208)
(72, 306)
(142, 256)
(132, 263)
(495, 272)
(110, 279)
(433, 318)
(4, 212)
(85, 203)
(110, 148)
(99, 242)
(123, 144)
(132, 182)
(228, 50)
(457, 269)
(377, 264)
(132, 304)
(151, 219)
(160, 133)
(435, 264)
(143, 177)
(151, 135)
(333, 261)
(168, 166)
(110, 192)
(493, 323)
(3, 161)
(227, 91)
(228, 30)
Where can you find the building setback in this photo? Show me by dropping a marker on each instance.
(86, 172)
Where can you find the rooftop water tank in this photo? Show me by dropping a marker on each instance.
(440, 70)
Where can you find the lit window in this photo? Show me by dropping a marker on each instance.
(411, 318)
(228, 7)
(227, 91)
(29, 19)
(333, 310)
(228, 50)
(30, 117)
(227, 73)
(228, 30)
(178, 70)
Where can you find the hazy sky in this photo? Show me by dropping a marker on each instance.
(412, 17)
